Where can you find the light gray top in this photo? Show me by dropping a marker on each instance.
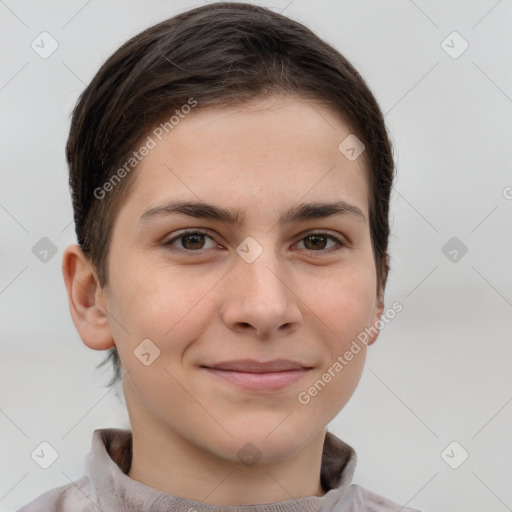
(106, 487)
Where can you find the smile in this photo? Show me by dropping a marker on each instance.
(259, 376)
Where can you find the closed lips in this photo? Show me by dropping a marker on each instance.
(248, 366)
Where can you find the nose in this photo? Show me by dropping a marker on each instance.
(260, 297)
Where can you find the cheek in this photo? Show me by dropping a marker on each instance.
(342, 308)
(345, 303)
(161, 305)
(158, 303)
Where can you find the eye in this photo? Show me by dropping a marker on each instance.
(317, 241)
(190, 241)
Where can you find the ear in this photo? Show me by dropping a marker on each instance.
(377, 313)
(86, 299)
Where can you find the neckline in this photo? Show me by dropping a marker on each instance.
(110, 458)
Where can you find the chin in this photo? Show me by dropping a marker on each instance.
(269, 441)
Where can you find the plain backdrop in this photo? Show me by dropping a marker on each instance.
(440, 371)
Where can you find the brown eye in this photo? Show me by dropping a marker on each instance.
(317, 242)
(193, 241)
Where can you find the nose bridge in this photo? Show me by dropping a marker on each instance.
(260, 292)
(260, 266)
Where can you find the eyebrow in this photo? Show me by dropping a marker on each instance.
(299, 212)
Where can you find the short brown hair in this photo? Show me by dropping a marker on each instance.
(220, 54)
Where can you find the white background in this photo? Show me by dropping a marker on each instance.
(440, 372)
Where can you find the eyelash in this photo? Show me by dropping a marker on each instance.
(168, 244)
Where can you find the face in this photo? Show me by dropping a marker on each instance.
(243, 317)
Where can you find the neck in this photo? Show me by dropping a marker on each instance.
(164, 460)
(218, 482)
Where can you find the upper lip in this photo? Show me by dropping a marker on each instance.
(252, 366)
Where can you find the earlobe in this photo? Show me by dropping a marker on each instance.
(86, 301)
(377, 313)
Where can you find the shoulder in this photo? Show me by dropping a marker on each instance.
(370, 502)
(73, 497)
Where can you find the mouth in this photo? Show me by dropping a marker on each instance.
(259, 376)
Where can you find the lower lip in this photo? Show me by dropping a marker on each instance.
(260, 381)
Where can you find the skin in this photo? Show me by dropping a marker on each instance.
(296, 300)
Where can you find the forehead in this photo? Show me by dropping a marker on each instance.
(273, 151)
